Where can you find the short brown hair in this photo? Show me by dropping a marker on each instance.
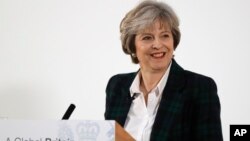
(141, 17)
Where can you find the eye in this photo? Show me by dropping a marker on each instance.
(146, 37)
(166, 35)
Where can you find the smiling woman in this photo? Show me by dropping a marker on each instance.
(154, 51)
(161, 101)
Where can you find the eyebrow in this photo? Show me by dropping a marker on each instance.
(149, 33)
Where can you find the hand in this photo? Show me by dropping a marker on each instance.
(121, 134)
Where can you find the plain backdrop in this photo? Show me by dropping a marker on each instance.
(57, 52)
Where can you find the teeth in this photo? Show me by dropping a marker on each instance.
(157, 54)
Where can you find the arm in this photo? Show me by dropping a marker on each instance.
(120, 133)
(207, 122)
(108, 98)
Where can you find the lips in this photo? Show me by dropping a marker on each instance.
(158, 54)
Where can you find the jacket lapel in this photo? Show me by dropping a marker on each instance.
(171, 102)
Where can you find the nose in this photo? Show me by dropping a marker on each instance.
(157, 44)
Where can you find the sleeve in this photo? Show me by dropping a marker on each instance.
(108, 98)
(207, 122)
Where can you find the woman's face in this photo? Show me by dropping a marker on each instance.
(155, 47)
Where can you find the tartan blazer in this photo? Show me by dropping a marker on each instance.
(189, 109)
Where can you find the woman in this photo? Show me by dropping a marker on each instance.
(161, 101)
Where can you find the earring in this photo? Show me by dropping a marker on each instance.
(133, 54)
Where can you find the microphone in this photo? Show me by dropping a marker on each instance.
(68, 112)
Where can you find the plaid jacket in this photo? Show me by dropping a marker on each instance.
(189, 109)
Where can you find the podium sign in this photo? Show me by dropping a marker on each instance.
(57, 130)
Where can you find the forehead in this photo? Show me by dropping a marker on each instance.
(157, 24)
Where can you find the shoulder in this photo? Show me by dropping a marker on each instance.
(120, 81)
(192, 79)
(200, 80)
(203, 89)
(122, 78)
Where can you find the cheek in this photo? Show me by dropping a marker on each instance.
(141, 53)
(170, 47)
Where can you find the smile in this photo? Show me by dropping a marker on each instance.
(158, 55)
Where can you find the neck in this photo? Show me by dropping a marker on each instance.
(149, 80)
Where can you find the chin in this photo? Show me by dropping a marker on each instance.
(159, 68)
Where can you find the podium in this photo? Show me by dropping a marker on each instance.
(57, 130)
